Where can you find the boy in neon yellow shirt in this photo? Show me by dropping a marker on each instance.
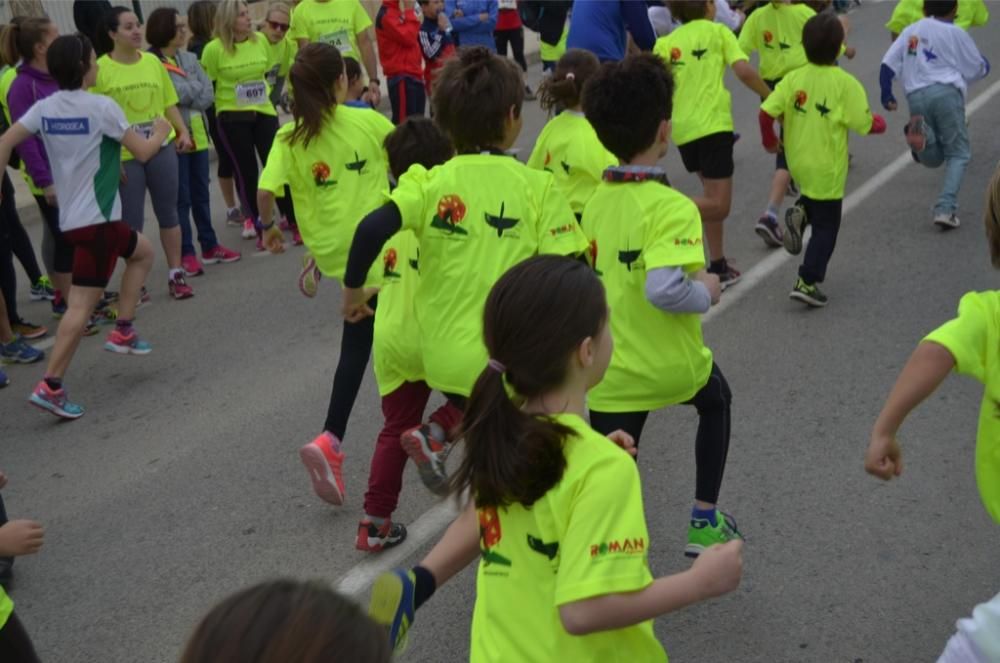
(818, 104)
(17, 537)
(971, 14)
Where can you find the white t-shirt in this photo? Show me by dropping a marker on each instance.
(978, 637)
(82, 134)
(934, 51)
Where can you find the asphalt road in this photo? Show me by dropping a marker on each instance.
(182, 482)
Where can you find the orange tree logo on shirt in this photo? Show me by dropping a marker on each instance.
(489, 536)
(450, 212)
(768, 38)
(321, 174)
(800, 101)
(675, 57)
(389, 264)
(912, 44)
(501, 223)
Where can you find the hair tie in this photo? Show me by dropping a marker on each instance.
(570, 76)
(497, 366)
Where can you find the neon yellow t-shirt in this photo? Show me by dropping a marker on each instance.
(698, 53)
(568, 148)
(142, 89)
(199, 133)
(6, 80)
(6, 607)
(776, 31)
(973, 339)
(552, 53)
(819, 105)
(396, 347)
(971, 13)
(659, 358)
(282, 57)
(339, 178)
(586, 537)
(475, 217)
(336, 22)
(240, 77)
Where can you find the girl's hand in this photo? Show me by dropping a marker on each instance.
(20, 537)
(624, 440)
(274, 240)
(719, 569)
(884, 458)
(355, 306)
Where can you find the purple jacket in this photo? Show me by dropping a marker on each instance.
(29, 86)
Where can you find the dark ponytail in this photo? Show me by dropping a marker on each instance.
(564, 89)
(313, 78)
(68, 60)
(535, 318)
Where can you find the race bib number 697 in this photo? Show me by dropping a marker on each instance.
(251, 93)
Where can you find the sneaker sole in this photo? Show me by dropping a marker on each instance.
(385, 608)
(7, 361)
(806, 299)
(946, 225)
(693, 550)
(32, 337)
(380, 545)
(43, 404)
(765, 234)
(324, 484)
(216, 261)
(198, 273)
(125, 349)
(733, 281)
(308, 282)
(180, 296)
(40, 298)
(792, 240)
(415, 449)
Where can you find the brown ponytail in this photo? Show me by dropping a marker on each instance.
(565, 87)
(991, 217)
(313, 79)
(19, 37)
(536, 316)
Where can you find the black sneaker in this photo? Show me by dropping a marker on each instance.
(373, 538)
(795, 224)
(769, 230)
(728, 275)
(808, 294)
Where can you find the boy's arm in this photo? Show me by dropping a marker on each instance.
(972, 64)
(372, 234)
(892, 66)
(458, 548)
(749, 77)
(669, 289)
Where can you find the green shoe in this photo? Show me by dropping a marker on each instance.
(392, 605)
(702, 533)
(807, 293)
(795, 225)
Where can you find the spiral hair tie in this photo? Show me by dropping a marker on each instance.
(570, 76)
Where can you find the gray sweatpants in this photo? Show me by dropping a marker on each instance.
(159, 175)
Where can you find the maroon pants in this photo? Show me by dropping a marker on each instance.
(403, 409)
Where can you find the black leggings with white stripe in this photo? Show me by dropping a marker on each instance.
(245, 136)
(711, 445)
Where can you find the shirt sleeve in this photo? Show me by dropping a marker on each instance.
(112, 119)
(274, 176)
(558, 231)
(605, 545)
(210, 59)
(968, 336)
(410, 198)
(893, 58)
(32, 119)
(674, 239)
(747, 42)
(361, 19)
(970, 61)
(731, 51)
(857, 112)
(775, 103)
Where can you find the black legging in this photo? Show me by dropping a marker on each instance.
(515, 38)
(246, 135)
(711, 446)
(14, 241)
(355, 351)
(15, 644)
(62, 255)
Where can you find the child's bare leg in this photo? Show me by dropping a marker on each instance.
(136, 270)
(228, 189)
(714, 207)
(80, 307)
(779, 185)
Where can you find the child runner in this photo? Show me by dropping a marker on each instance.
(475, 217)
(935, 59)
(398, 369)
(776, 31)
(563, 572)
(166, 32)
(77, 129)
(355, 85)
(397, 28)
(567, 147)
(435, 39)
(646, 245)
(275, 28)
(288, 621)
(333, 161)
(817, 104)
(17, 537)
(699, 52)
(968, 345)
(141, 87)
(971, 13)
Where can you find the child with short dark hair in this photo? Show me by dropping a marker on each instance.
(355, 84)
(817, 104)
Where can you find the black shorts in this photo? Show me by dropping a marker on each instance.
(780, 162)
(710, 155)
(96, 250)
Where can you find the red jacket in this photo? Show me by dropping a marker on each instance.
(398, 41)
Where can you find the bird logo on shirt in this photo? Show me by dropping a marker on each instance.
(450, 212)
(929, 54)
(358, 165)
(823, 109)
(699, 53)
(628, 257)
(784, 46)
(800, 101)
(565, 166)
(501, 223)
(550, 550)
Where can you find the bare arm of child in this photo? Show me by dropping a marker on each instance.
(749, 77)
(273, 238)
(458, 548)
(145, 149)
(927, 368)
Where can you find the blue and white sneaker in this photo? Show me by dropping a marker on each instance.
(392, 605)
(55, 402)
(19, 352)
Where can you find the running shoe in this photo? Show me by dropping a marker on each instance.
(124, 344)
(90, 328)
(296, 237)
(769, 230)
(702, 533)
(808, 293)
(429, 454)
(249, 231)
(179, 289)
(42, 289)
(309, 276)
(219, 253)
(191, 265)
(59, 306)
(4, 380)
(55, 402)
(375, 538)
(916, 137)
(728, 275)
(19, 352)
(234, 217)
(29, 330)
(325, 466)
(946, 220)
(392, 605)
(795, 224)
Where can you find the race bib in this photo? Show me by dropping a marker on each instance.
(341, 39)
(507, 4)
(251, 93)
(144, 129)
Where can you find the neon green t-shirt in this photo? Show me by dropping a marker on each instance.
(336, 22)
(475, 217)
(568, 148)
(776, 31)
(971, 13)
(819, 105)
(659, 358)
(282, 57)
(699, 53)
(196, 125)
(142, 89)
(240, 77)
(339, 178)
(7, 76)
(552, 53)
(586, 537)
(973, 339)
(6, 607)
(396, 348)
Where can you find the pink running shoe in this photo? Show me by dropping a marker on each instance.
(296, 237)
(191, 265)
(309, 276)
(429, 454)
(179, 289)
(325, 465)
(219, 253)
(126, 345)
(249, 231)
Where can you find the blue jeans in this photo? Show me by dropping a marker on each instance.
(193, 199)
(947, 138)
